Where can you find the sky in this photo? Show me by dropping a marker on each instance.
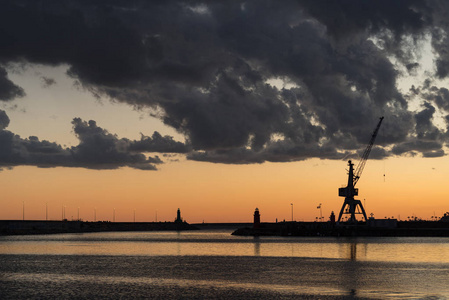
(216, 108)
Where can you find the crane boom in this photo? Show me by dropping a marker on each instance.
(361, 165)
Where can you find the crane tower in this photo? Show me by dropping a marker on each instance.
(352, 206)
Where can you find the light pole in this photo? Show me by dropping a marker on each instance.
(46, 211)
(321, 215)
(113, 216)
(292, 210)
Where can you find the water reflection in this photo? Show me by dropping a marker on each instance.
(178, 245)
(221, 243)
(353, 250)
(375, 268)
(354, 277)
(256, 246)
(349, 271)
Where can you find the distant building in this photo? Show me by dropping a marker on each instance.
(178, 217)
(332, 218)
(385, 223)
(256, 219)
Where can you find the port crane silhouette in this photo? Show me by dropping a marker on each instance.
(350, 191)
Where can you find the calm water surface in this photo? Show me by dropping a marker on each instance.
(216, 265)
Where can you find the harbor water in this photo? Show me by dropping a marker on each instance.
(216, 265)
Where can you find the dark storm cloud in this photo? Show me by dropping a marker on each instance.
(440, 40)
(47, 82)
(158, 143)
(233, 156)
(4, 120)
(424, 127)
(155, 160)
(280, 151)
(206, 67)
(97, 149)
(417, 145)
(348, 18)
(103, 150)
(434, 153)
(439, 96)
(8, 90)
(377, 153)
(412, 67)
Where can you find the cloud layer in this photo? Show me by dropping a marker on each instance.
(208, 67)
(97, 149)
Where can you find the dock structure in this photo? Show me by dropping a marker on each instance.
(373, 228)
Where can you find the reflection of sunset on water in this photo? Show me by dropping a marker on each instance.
(432, 250)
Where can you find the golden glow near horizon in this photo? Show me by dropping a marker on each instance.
(225, 193)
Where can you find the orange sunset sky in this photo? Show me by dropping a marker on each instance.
(227, 193)
(252, 105)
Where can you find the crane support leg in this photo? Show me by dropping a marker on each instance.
(351, 205)
(359, 203)
(341, 212)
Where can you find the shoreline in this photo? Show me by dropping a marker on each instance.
(390, 228)
(31, 227)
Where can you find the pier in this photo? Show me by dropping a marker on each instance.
(387, 228)
(20, 227)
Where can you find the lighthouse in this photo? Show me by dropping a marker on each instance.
(178, 217)
(256, 219)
